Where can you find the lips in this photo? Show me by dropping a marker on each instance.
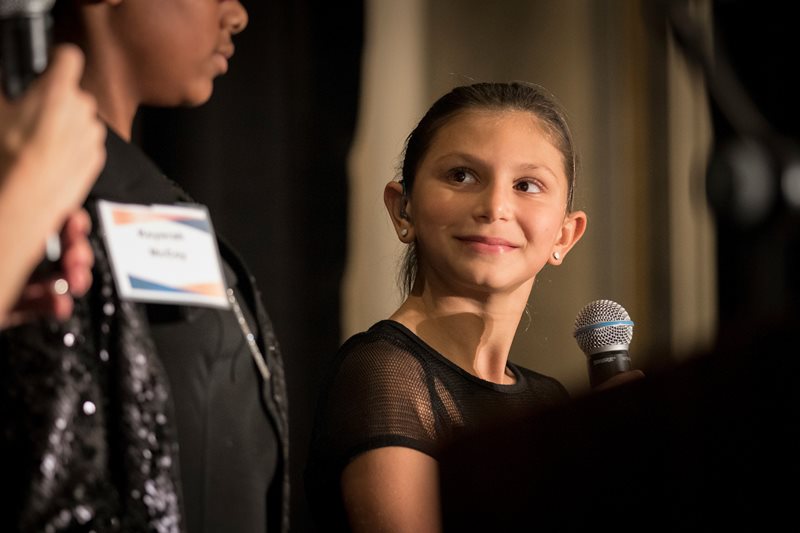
(221, 62)
(226, 50)
(222, 55)
(487, 244)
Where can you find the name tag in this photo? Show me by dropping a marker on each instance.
(163, 253)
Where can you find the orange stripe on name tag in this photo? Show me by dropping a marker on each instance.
(207, 289)
(122, 217)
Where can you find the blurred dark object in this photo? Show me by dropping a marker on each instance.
(708, 445)
(24, 43)
(753, 177)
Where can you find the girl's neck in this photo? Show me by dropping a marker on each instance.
(475, 334)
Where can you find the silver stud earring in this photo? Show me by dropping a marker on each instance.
(404, 232)
(556, 256)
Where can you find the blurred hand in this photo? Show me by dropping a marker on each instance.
(52, 297)
(52, 148)
(51, 139)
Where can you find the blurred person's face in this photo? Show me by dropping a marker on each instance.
(176, 48)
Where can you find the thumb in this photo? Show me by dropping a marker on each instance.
(66, 65)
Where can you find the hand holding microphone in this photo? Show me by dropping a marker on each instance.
(604, 330)
(51, 151)
(52, 141)
(24, 55)
(50, 130)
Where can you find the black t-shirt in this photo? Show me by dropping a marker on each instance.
(387, 387)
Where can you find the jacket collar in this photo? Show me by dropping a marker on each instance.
(130, 176)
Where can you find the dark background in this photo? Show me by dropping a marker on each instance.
(758, 255)
(268, 155)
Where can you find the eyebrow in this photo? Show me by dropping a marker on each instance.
(475, 161)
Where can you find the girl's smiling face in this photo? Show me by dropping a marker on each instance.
(488, 208)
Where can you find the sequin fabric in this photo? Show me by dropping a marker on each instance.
(87, 432)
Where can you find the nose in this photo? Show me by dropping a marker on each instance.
(234, 16)
(494, 203)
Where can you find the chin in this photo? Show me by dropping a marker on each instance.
(191, 98)
(487, 284)
(198, 98)
(492, 283)
(196, 94)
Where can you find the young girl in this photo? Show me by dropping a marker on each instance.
(484, 203)
(148, 417)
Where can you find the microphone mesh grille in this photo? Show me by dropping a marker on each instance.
(596, 313)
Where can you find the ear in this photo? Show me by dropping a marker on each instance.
(571, 232)
(397, 206)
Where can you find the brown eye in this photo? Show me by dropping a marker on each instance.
(462, 175)
(530, 186)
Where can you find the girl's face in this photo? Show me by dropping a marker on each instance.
(175, 48)
(488, 207)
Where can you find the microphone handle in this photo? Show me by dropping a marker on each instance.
(24, 51)
(604, 365)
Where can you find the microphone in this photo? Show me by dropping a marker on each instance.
(25, 40)
(604, 331)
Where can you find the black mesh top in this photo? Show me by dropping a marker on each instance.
(387, 387)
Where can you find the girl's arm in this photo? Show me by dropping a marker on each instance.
(392, 489)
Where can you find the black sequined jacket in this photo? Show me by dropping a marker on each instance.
(88, 434)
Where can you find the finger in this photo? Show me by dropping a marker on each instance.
(15, 318)
(61, 307)
(77, 258)
(75, 231)
(40, 300)
(79, 221)
(79, 280)
(42, 289)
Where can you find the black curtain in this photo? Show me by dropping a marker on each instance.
(758, 223)
(267, 155)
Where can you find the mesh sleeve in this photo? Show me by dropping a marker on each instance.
(380, 396)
